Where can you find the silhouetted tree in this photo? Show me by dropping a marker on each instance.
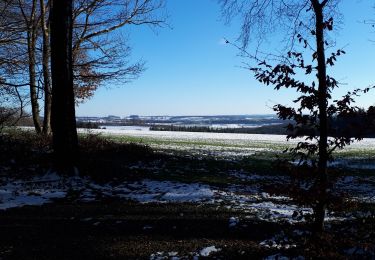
(65, 141)
(28, 11)
(100, 50)
(316, 18)
(322, 23)
(46, 70)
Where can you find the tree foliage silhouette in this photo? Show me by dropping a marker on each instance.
(303, 22)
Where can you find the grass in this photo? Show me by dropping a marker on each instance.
(213, 143)
(272, 149)
(355, 153)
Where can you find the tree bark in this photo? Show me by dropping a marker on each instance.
(323, 129)
(46, 72)
(65, 141)
(31, 46)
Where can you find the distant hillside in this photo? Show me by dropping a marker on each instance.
(208, 121)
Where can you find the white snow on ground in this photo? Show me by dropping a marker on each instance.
(35, 191)
(38, 191)
(11, 198)
(210, 150)
(188, 136)
(164, 255)
(277, 244)
(270, 211)
(202, 136)
(233, 221)
(209, 250)
(225, 145)
(204, 252)
(221, 145)
(166, 191)
(241, 140)
(247, 199)
(247, 176)
(43, 189)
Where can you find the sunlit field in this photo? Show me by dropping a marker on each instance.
(224, 144)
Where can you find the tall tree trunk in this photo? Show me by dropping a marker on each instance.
(31, 46)
(46, 72)
(65, 141)
(323, 129)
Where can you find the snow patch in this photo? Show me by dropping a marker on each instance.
(164, 255)
(233, 221)
(209, 250)
(279, 241)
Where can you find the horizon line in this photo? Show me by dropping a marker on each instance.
(213, 115)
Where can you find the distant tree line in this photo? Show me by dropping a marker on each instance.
(88, 125)
(360, 123)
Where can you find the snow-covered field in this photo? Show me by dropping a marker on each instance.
(227, 145)
(225, 138)
(188, 136)
(221, 139)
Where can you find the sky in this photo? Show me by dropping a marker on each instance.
(190, 71)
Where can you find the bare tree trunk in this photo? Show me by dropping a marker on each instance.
(31, 46)
(46, 72)
(65, 141)
(323, 129)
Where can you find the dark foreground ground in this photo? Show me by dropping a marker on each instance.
(113, 228)
(119, 230)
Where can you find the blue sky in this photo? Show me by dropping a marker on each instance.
(191, 72)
